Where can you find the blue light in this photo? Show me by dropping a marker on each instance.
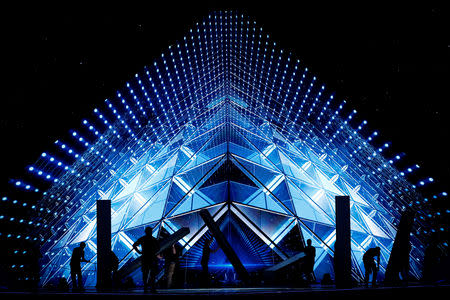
(223, 94)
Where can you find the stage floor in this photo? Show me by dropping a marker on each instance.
(313, 292)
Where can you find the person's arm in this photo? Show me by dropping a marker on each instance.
(158, 247)
(82, 257)
(378, 261)
(135, 246)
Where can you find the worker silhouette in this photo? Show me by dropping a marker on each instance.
(149, 247)
(310, 257)
(370, 266)
(114, 263)
(171, 255)
(205, 260)
(431, 261)
(75, 266)
(404, 263)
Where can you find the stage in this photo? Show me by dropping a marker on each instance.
(314, 292)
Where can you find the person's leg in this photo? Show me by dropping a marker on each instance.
(73, 276)
(80, 279)
(166, 273)
(145, 270)
(205, 274)
(170, 272)
(374, 274)
(309, 272)
(153, 270)
(367, 273)
(405, 272)
(114, 280)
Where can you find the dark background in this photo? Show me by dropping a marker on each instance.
(391, 63)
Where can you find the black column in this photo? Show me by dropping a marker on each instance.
(342, 247)
(103, 244)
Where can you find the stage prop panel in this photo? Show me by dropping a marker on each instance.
(132, 266)
(225, 246)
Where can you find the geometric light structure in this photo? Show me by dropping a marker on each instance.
(224, 120)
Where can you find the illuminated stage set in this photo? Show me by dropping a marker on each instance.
(224, 124)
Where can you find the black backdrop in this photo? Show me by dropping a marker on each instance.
(390, 63)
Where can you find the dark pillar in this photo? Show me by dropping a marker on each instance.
(103, 244)
(399, 258)
(225, 246)
(342, 246)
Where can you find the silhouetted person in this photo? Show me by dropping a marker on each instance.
(404, 263)
(326, 280)
(310, 257)
(431, 262)
(205, 260)
(114, 263)
(62, 286)
(171, 256)
(129, 283)
(370, 266)
(149, 247)
(75, 266)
